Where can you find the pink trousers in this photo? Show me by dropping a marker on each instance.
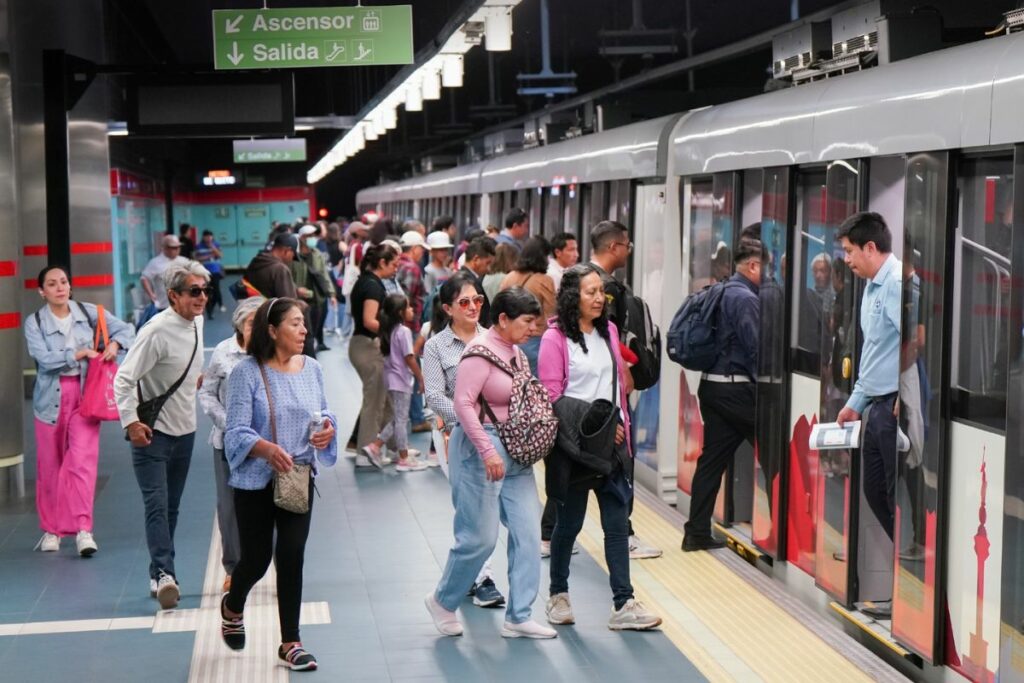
(67, 456)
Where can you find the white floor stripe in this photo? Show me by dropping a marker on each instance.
(212, 661)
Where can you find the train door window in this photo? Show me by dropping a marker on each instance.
(808, 250)
(702, 202)
(753, 208)
(981, 311)
(497, 209)
(474, 212)
(571, 216)
(598, 207)
(553, 218)
(537, 197)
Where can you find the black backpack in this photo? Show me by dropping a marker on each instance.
(693, 335)
(639, 333)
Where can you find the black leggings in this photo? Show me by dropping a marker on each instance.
(257, 516)
(215, 300)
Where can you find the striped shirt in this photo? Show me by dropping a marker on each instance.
(441, 356)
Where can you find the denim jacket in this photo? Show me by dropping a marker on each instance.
(47, 348)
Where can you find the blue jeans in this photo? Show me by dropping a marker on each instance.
(531, 347)
(479, 505)
(614, 523)
(416, 413)
(161, 469)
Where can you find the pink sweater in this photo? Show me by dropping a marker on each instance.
(476, 376)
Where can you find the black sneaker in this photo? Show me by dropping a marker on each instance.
(296, 658)
(486, 594)
(232, 629)
(694, 543)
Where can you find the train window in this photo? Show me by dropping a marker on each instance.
(752, 201)
(553, 218)
(981, 306)
(571, 217)
(495, 214)
(701, 217)
(536, 210)
(809, 254)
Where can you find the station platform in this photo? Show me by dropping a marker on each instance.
(376, 548)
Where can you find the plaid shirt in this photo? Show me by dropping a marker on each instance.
(410, 277)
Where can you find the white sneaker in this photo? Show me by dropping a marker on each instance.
(167, 591)
(49, 543)
(559, 610)
(444, 621)
(633, 617)
(152, 588)
(223, 309)
(527, 629)
(410, 464)
(415, 453)
(432, 460)
(373, 453)
(85, 543)
(638, 550)
(363, 461)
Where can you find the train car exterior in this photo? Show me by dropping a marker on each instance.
(936, 145)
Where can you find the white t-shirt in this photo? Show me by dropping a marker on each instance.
(555, 272)
(64, 325)
(590, 374)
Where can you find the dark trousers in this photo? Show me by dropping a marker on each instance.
(878, 455)
(317, 315)
(161, 469)
(728, 412)
(569, 523)
(215, 300)
(257, 519)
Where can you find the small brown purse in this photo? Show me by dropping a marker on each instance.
(291, 488)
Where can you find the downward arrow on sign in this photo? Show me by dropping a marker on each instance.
(232, 26)
(235, 57)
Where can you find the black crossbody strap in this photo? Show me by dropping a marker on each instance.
(174, 387)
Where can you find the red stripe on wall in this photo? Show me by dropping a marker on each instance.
(8, 268)
(35, 250)
(10, 320)
(31, 283)
(92, 247)
(92, 280)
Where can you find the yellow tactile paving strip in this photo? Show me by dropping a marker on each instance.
(768, 642)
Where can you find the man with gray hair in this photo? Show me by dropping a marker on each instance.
(213, 397)
(155, 388)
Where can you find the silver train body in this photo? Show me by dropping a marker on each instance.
(936, 145)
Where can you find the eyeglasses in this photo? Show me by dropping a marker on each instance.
(195, 291)
(627, 245)
(465, 301)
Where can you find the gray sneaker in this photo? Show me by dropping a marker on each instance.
(638, 550)
(633, 617)
(559, 610)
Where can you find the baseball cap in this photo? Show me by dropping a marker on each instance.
(287, 239)
(439, 240)
(356, 225)
(308, 230)
(411, 238)
(393, 244)
(171, 241)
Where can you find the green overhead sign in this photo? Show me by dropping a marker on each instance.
(315, 36)
(269, 151)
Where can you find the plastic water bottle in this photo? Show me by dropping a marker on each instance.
(316, 424)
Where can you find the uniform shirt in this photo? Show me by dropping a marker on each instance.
(157, 359)
(739, 329)
(154, 273)
(368, 287)
(880, 308)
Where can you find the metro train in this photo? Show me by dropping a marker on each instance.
(935, 144)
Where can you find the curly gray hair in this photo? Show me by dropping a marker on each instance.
(245, 308)
(177, 274)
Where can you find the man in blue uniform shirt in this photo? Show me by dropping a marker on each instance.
(867, 242)
(727, 392)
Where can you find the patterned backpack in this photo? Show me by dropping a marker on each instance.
(529, 433)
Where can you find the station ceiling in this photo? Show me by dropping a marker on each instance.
(145, 32)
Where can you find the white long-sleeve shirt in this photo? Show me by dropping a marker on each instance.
(161, 352)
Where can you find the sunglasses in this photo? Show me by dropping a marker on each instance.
(465, 301)
(195, 291)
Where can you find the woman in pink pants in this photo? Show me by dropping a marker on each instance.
(60, 340)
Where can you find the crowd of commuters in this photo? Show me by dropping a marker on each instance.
(465, 322)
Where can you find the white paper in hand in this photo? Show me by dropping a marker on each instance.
(830, 436)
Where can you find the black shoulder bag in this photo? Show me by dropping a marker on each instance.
(149, 410)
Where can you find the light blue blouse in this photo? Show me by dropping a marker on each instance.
(296, 398)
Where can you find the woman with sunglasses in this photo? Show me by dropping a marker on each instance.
(166, 359)
(60, 339)
(277, 417)
(580, 359)
(456, 322)
(488, 487)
